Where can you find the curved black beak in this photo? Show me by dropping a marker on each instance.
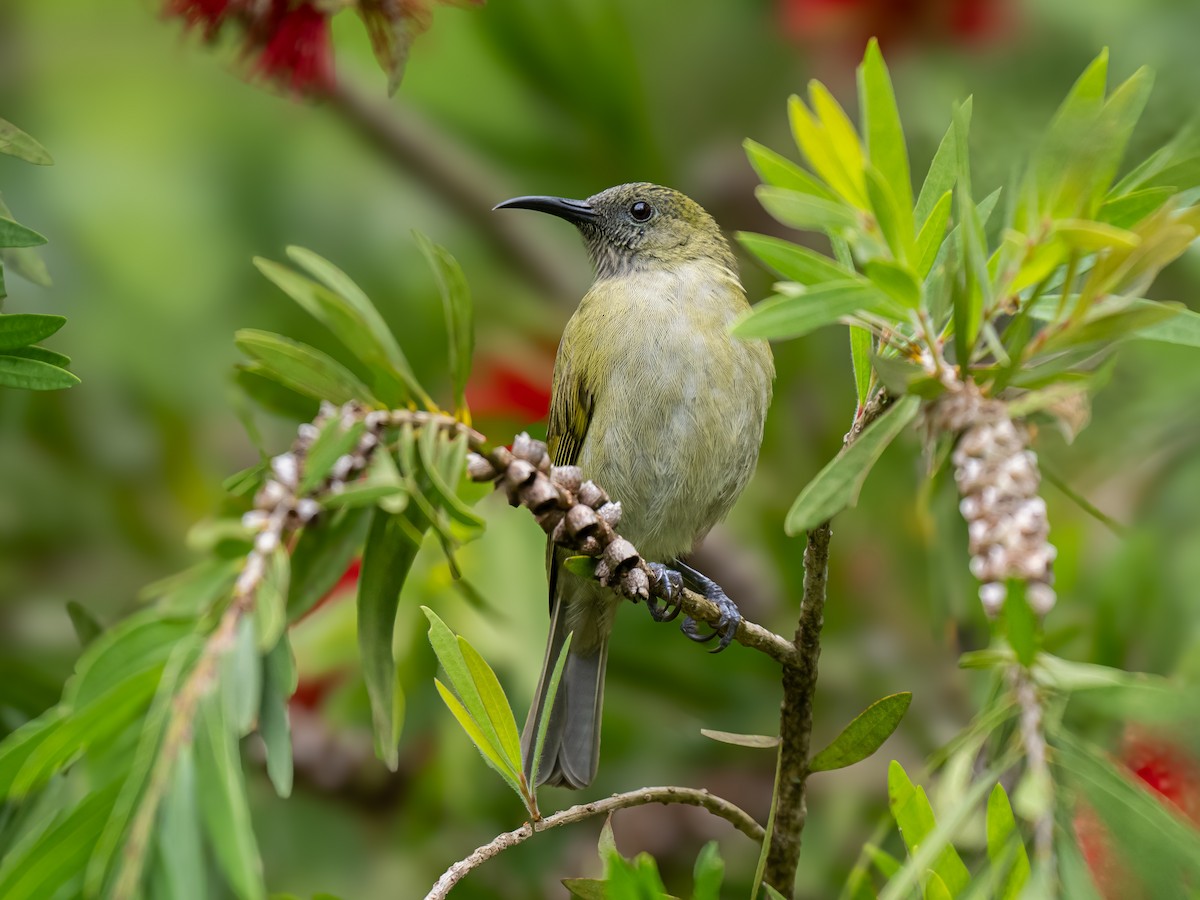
(576, 211)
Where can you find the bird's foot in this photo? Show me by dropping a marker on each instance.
(726, 626)
(668, 584)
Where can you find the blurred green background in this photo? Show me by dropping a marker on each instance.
(172, 171)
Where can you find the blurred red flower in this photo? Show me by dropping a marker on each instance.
(295, 47)
(849, 24)
(500, 389)
(1167, 768)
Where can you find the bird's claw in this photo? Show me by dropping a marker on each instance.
(727, 624)
(669, 585)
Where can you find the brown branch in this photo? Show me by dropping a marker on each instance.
(799, 688)
(579, 515)
(448, 170)
(718, 806)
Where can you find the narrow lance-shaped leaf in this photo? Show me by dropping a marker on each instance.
(838, 484)
(864, 735)
(792, 261)
(18, 371)
(15, 142)
(21, 329)
(861, 345)
(303, 368)
(323, 553)
(278, 684)
(795, 315)
(221, 789)
(778, 171)
(456, 300)
(757, 741)
(1005, 846)
(495, 703)
(942, 169)
(881, 126)
(805, 212)
(332, 442)
(846, 148)
(482, 742)
(180, 871)
(387, 558)
(914, 816)
(13, 234)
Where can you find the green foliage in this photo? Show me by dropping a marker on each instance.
(864, 735)
(23, 363)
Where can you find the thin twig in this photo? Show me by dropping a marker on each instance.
(718, 806)
(1033, 740)
(799, 688)
(446, 168)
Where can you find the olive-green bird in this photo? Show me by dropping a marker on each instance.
(658, 404)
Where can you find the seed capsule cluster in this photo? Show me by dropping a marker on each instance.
(575, 513)
(997, 477)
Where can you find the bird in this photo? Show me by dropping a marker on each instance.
(658, 403)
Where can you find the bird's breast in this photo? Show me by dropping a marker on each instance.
(679, 403)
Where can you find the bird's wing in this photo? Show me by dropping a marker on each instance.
(570, 415)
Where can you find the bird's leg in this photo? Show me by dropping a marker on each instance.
(726, 626)
(672, 588)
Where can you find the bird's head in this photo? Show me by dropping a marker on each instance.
(633, 226)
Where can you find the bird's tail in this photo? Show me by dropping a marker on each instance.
(571, 752)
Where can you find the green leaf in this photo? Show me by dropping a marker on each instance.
(303, 368)
(586, 888)
(942, 169)
(583, 566)
(804, 211)
(40, 868)
(795, 315)
(842, 141)
(15, 142)
(1092, 237)
(861, 345)
(107, 856)
(432, 447)
(456, 301)
(180, 871)
(815, 142)
(838, 484)
(1002, 836)
(259, 384)
(1115, 326)
(914, 816)
(332, 442)
(87, 627)
(708, 873)
(1127, 210)
(193, 590)
(887, 864)
(1114, 126)
(270, 603)
(20, 745)
(881, 126)
(547, 707)
(1021, 625)
(793, 262)
(25, 262)
(321, 556)
(758, 741)
(1182, 328)
(932, 235)
(134, 645)
(894, 223)
(278, 684)
(495, 703)
(778, 171)
(935, 887)
(13, 234)
(482, 742)
(895, 280)
(224, 809)
(347, 311)
(239, 679)
(864, 735)
(23, 329)
(386, 561)
(17, 371)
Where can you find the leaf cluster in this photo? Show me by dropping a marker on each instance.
(24, 363)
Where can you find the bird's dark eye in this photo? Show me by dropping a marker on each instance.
(641, 211)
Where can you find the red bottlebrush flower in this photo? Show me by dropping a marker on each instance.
(849, 24)
(295, 48)
(206, 14)
(498, 389)
(1168, 769)
(310, 692)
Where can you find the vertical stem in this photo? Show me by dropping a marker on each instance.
(799, 689)
(795, 719)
